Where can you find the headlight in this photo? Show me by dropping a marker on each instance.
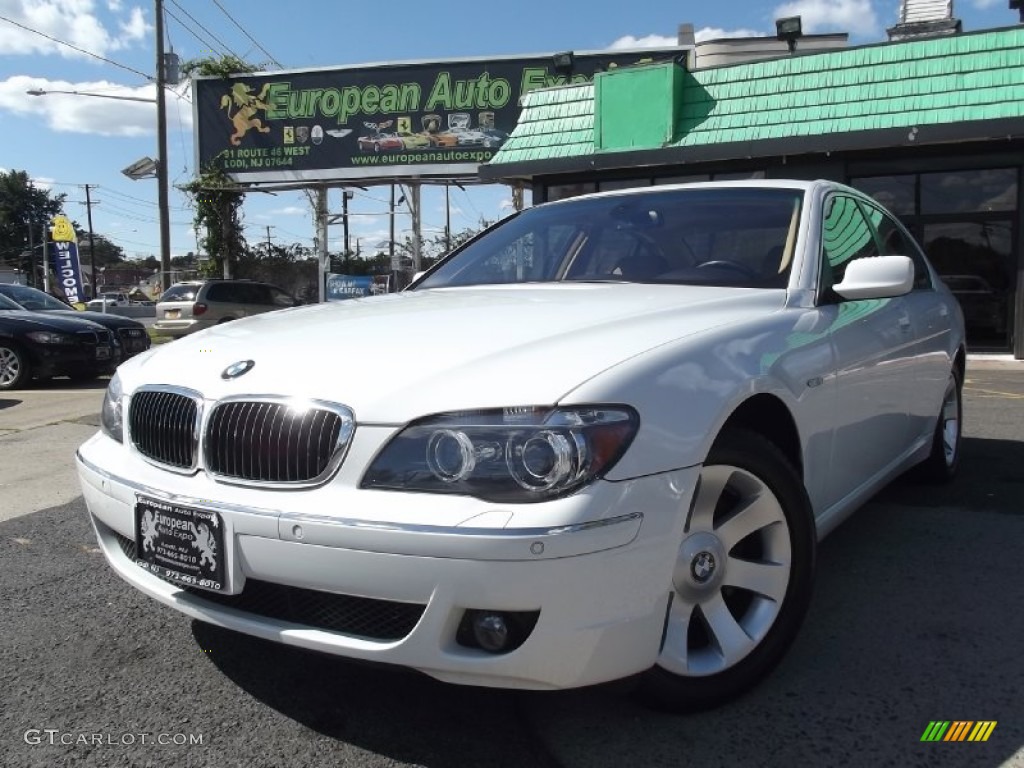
(110, 414)
(508, 455)
(47, 337)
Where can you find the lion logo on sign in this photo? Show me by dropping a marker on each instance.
(148, 530)
(205, 543)
(246, 105)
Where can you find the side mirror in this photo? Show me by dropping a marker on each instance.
(877, 277)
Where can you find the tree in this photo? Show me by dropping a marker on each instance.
(24, 209)
(107, 252)
(216, 198)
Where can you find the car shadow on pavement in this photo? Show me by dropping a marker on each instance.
(407, 716)
(8, 403)
(913, 620)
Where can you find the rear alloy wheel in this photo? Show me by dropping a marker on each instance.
(14, 367)
(944, 460)
(742, 580)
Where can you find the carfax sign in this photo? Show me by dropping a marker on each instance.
(383, 121)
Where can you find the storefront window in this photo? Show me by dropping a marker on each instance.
(738, 176)
(969, 191)
(896, 193)
(562, 191)
(608, 186)
(691, 178)
(975, 260)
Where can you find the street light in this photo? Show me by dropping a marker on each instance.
(41, 92)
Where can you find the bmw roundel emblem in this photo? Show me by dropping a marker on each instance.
(235, 370)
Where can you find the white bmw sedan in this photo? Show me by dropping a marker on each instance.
(599, 441)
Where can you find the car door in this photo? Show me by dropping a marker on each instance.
(873, 342)
(932, 316)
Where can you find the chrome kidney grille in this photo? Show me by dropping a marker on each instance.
(265, 441)
(277, 442)
(163, 426)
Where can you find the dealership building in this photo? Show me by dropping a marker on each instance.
(930, 123)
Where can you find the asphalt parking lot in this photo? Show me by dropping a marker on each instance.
(916, 617)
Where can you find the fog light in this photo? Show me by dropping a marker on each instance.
(490, 631)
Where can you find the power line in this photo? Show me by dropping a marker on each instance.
(75, 48)
(195, 21)
(184, 26)
(242, 29)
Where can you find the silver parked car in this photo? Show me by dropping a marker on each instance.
(192, 306)
(604, 440)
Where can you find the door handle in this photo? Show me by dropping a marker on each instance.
(904, 323)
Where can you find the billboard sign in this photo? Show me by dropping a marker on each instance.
(385, 121)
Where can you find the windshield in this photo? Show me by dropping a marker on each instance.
(731, 236)
(180, 292)
(31, 298)
(6, 303)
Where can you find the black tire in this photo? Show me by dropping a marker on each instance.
(15, 368)
(942, 463)
(755, 469)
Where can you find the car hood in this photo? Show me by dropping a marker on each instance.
(103, 318)
(50, 322)
(397, 357)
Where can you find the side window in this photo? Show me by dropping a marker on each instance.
(845, 235)
(220, 292)
(281, 299)
(896, 243)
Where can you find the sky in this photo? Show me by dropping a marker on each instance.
(66, 141)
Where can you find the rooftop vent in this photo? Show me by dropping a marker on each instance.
(925, 18)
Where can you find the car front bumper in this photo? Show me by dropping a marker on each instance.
(600, 586)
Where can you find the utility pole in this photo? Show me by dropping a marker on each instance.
(269, 244)
(391, 238)
(46, 261)
(417, 240)
(447, 220)
(346, 195)
(32, 249)
(321, 240)
(162, 170)
(92, 244)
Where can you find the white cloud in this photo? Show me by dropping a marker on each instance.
(95, 114)
(717, 33)
(73, 21)
(986, 3)
(628, 42)
(820, 16)
(288, 210)
(135, 28)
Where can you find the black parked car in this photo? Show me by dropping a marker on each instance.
(130, 334)
(37, 345)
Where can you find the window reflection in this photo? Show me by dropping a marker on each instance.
(969, 191)
(975, 261)
(896, 193)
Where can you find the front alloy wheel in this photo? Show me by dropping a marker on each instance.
(742, 578)
(14, 372)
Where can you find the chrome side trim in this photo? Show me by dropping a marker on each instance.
(299, 518)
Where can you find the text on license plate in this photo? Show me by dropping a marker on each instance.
(180, 544)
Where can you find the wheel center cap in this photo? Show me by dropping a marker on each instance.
(702, 567)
